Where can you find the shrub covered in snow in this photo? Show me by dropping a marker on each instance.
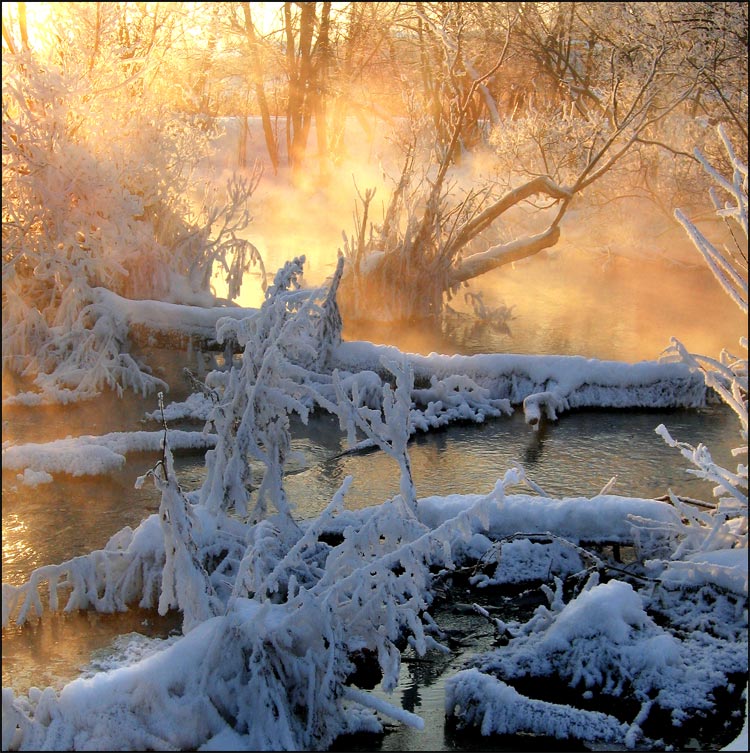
(723, 526)
(605, 670)
(96, 186)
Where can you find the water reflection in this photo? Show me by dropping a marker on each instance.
(56, 649)
(576, 456)
(568, 303)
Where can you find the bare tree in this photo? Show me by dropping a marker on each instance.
(618, 86)
(272, 144)
(329, 58)
(307, 60)
(366, 64)
(574, 49)
(443, 50)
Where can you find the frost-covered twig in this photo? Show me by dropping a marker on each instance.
(390, 432)
(126, 571)
(281, 346)
(185, 584)
(726, 525)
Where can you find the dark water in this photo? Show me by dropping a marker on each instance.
(575, 456)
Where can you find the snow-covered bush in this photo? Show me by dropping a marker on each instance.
(96, 186)
(290, 335)
(615, 667)
(275, 618)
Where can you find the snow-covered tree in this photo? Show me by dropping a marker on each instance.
(613, 97)
(281, 616)
(97, 173)
(290, 335)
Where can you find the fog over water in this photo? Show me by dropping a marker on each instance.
(623, 279)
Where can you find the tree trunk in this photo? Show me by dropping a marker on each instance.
(272, 145)
(319, 94)
(301, 82)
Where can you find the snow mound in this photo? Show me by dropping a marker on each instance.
(91, 455)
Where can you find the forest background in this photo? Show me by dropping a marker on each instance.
(510, 126)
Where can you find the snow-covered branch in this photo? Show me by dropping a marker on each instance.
(496, 256)
(726, 526)
(391, 432)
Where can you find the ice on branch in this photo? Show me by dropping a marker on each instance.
(282, 346)
(127, 571)
(390, 432)
(185, 584)
(544, 385)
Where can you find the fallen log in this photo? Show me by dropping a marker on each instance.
(545, 385)
(156, 324)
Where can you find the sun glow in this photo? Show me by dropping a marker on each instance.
(29, 21)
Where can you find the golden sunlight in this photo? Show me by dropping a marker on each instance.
(27, 21)
(244, 244)
(267, 16)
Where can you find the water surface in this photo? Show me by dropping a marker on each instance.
(561, 309)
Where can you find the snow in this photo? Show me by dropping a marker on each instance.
(277, 613)
(602, 639)
(724, 567)
(549, 383)
(169, 318)
(525, 560)
(92, 455)
(30, 477)
(495, 707)
(196, 407)
(601, 519)
(399, 714)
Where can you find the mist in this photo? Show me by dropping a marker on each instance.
(622, 280)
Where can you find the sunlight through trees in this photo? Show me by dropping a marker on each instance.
(370, 161)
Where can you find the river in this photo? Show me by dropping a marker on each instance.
(592, 311)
